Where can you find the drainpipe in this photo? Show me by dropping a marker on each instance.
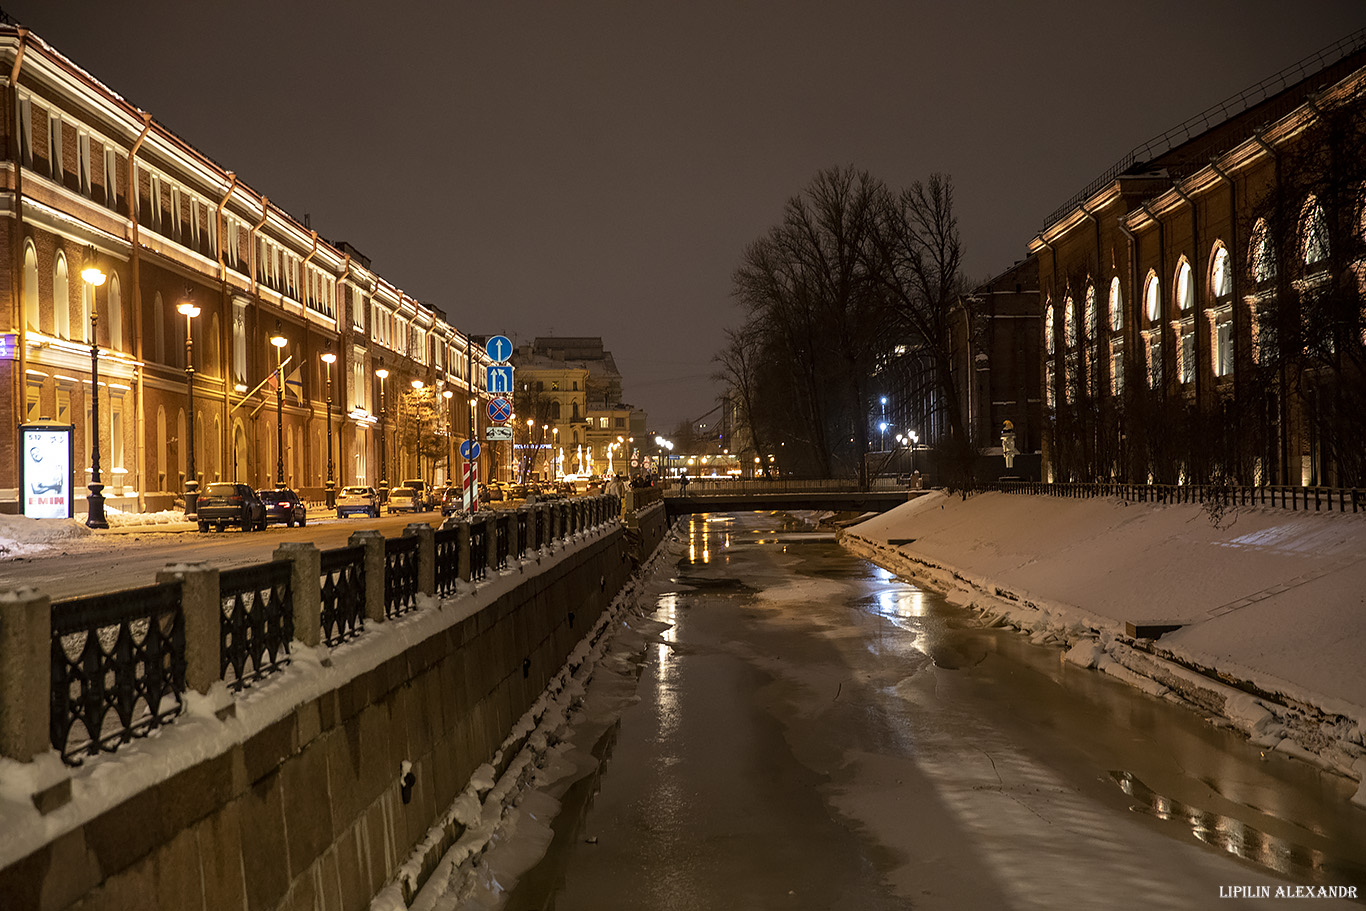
(251, 244)
(140, 419)
(1282, 418)
(1046, 464)
(303, 268)
(20, 396)
(1131, 325)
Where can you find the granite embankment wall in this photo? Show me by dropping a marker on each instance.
(311, 812)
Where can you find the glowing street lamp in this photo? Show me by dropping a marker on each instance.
(94, 517)
(329, 359)
(191, 476)
(279, 341)
(383, 374)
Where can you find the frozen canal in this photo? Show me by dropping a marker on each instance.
(812, 732)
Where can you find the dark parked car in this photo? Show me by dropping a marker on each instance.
(283, 505)
(452, 500)
(224, 504)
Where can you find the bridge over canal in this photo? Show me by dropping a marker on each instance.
(838, 495)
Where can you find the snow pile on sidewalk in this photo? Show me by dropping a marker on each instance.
(117, 519)
(20, 535)
(1270, 603)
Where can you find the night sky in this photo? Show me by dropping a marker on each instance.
(590, 168)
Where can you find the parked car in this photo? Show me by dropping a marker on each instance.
(283, 505)
(452, 500)
(490, 492)
(225, 503)
(425, 496)
(404, 499)
(363, 500)
(517, 491)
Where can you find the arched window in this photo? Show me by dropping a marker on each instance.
(554, 408)
(210, 361)
(1116, 305)
(1185, 288)
(1090, 322)
(1048, 328)
(1221, 277)
(31, 309)
(115, 318)
(1263, 254)
(61, 298)
(1152, 298)
(1069, 323)
(163, 466)
(1314, 232)
(180, 444)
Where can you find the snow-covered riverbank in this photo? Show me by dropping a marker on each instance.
(1270, 605)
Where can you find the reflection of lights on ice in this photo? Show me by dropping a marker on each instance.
(666, 612)
(901, 602)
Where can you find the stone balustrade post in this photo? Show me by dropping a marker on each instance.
(306, 563)
(426, 555)
(462, 543)
(202, 607)
(490, 555)
(25, 673)
(374, 571)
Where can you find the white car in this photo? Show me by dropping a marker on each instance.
(354, 500)
(404, 499)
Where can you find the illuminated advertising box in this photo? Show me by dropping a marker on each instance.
(45, 470)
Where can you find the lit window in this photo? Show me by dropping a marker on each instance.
(1152, 298)
(1090, 321)
(1048, 328)
(1223, 347)
(1185, 290)
(1315, 234)
(1187, 357)
(1263, 253)
(1069, 323)
(1116, 305)
(1221, 277)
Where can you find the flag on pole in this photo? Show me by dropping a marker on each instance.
(294, 384)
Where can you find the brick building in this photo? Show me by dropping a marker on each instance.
(1201, 301)
(92, 181)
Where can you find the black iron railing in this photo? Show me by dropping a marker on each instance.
(256, 624)
(521, 533)
(1341, 499)
(400, 575)
(447, 561)
(479, 543)
(118, 668)
(539, 540)
(342, 589)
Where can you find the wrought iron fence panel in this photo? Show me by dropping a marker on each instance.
(342, 587)
(1289, 497)
(117, 668)
(479, 553)
(256, 622)
(400, 575)
(447, 560)
(501, 528)
(521, 533)
(540, 529)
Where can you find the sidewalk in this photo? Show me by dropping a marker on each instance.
(1260, 619)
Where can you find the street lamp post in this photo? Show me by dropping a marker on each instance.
(450, 432)
(417, 391)
(329, 359)
(191, 477)
(94, 517)
(279, 341)
(383, 374)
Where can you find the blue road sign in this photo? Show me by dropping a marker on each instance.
(469, 450)
(500, 410)
(499, 379)
(499, 348)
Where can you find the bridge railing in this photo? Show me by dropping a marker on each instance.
(86, 675)
(703, 486)
(1318, 499)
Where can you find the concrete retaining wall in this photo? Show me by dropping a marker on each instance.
(309, 812)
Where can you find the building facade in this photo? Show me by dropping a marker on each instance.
(300, 357)
(1202, 301)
